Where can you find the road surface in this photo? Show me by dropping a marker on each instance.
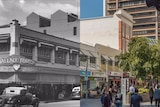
(70, 103)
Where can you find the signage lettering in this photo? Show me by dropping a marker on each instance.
(16, 60)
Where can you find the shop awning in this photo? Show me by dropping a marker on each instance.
(106, 57)
(111, 58)
(94, 54)
(85, 52)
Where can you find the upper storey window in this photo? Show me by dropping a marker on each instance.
(44, 54)
(60, 56)
(26, 48)
(4, 43)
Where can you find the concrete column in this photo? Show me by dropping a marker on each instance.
(77, 60)
(53, 56)
(113, 64)
(14, 41)
(67, 58)
(35, 54)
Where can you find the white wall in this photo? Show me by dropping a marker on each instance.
(101, 30)
(60, 26)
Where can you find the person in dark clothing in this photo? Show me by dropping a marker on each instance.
(118, 99)
(102, 96)
(136, 99)
(151, 93)
(157, 95)
(110, 92)
(107, 99)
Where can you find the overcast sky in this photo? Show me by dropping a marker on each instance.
(20, 9)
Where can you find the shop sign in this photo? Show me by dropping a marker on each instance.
(98, 74)
(16, 59)
(112, 73)
(83, 73)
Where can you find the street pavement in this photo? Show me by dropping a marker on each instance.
(70, 103)
(97, 103)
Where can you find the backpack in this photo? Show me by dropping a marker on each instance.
(118, 98)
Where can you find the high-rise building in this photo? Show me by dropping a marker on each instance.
(146, 19)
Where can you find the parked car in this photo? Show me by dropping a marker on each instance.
(76, 93)
(17, 96)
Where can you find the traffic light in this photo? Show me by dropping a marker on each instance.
(154, 3)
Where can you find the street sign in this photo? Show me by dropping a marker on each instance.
(86, 76)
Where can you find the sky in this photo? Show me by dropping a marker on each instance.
(20, 9)
(91, 8)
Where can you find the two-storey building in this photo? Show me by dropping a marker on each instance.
(44, 62)
(98, 66)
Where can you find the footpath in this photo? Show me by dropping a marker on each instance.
(97, 103)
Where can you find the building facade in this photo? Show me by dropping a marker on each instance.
(146, 19)
(113, 31)
(98, 66)
(61, 24)
(44, 62)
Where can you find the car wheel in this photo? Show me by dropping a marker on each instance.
(36, 104)
(2, 103)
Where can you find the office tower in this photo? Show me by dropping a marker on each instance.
(146, 19)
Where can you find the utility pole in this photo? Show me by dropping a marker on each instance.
(86, 78)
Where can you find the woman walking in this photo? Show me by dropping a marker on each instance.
(151, 93)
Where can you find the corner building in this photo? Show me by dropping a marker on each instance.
(46, 63)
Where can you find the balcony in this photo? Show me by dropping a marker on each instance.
(140, 28)
(132, 6)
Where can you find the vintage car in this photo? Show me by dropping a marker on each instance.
(76, 93)
(17, 96)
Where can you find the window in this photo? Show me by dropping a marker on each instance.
(26, 50)
(4, 47)
(72, 59)
(60, 56)
(103, 61)
(93, 60)
(83, 58)
(110, 62)
(44, 54)
(74, 30)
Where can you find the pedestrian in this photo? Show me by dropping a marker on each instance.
(157, 96)
(103, 96)
(118, 99)
(136, 99)
(110, 92)
(107, 99)
(132, 89)
(151, 93)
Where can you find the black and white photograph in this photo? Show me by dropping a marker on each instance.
(39, 53)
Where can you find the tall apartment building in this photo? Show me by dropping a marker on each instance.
(146, 19)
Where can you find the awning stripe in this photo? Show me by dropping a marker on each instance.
(85, 52)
